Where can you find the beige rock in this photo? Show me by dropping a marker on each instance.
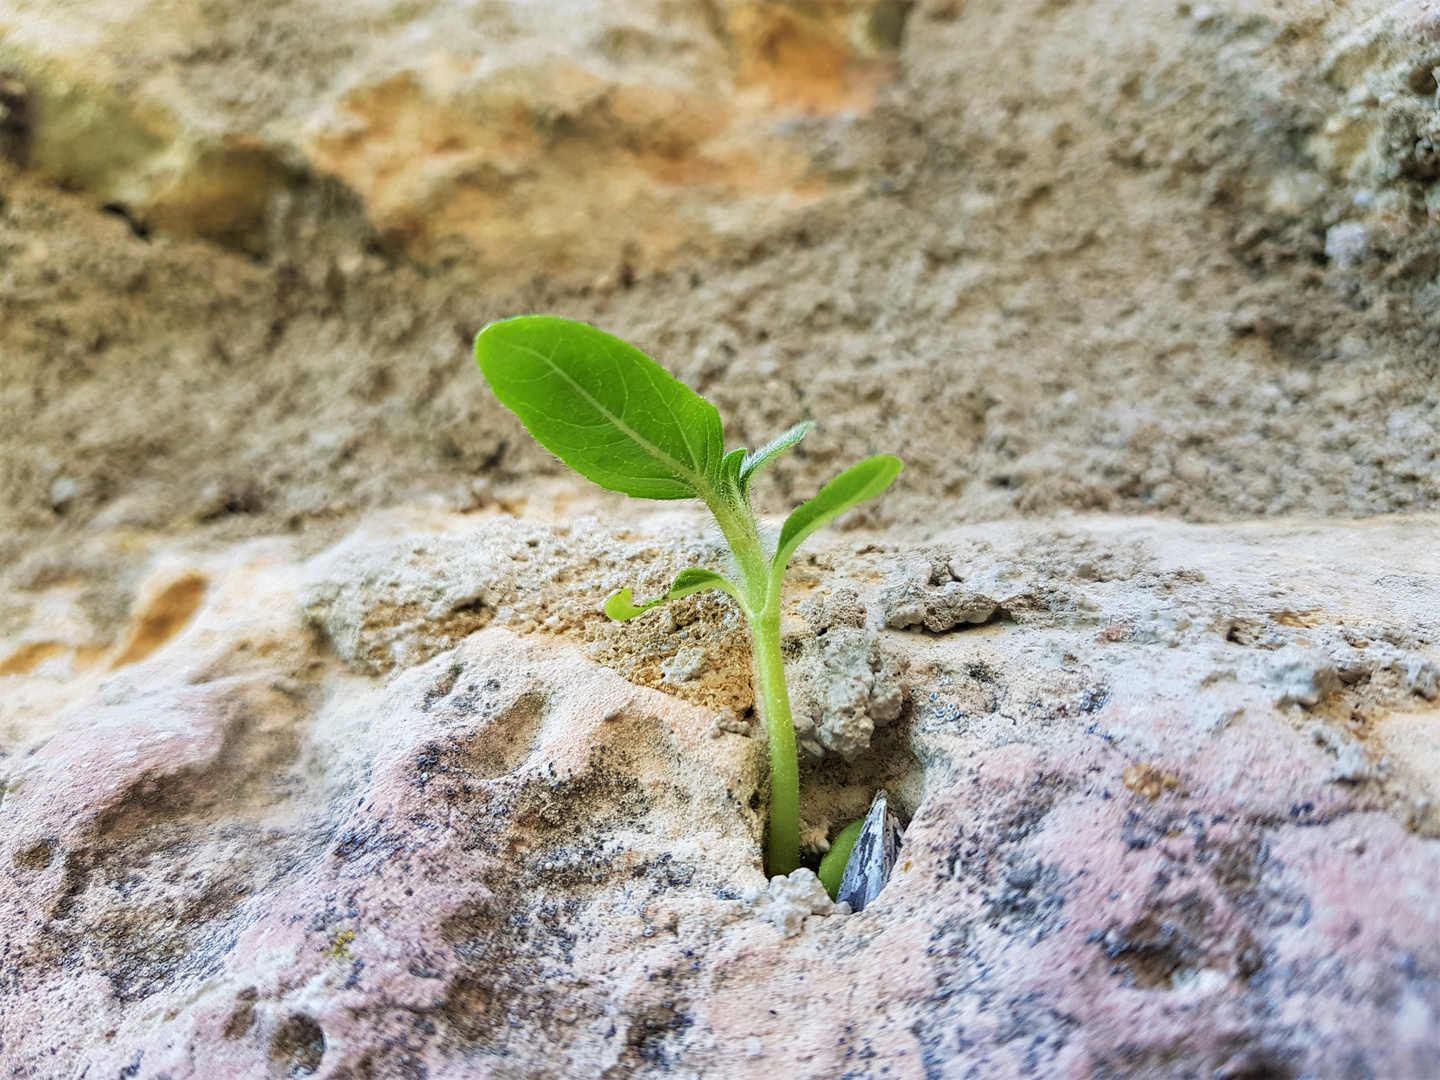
(1033, 320)
(564, 137)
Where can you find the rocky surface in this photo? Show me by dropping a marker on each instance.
(317, 756)
(1172, 815)
(844, 681)
(523, 137)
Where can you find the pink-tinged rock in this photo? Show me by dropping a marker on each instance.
(446, 881)
(239, 857)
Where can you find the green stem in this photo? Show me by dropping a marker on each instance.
(760, 585)
(783, 855)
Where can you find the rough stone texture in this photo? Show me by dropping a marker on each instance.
(844, 681)
(522, 137)
(383, 600)
(910, 601)
(794, 899)
(1083, 269)
(317, 756)
(1125, 854)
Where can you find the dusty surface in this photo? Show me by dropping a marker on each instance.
(1173, 770)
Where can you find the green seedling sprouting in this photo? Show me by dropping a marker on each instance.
(832, 866)
(618, 418)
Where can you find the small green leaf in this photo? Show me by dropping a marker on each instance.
(850, 488)
(757, 459)
(731, 468)
(621, 606)
(832, 866)
(603, 407)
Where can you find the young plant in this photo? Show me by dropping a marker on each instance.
(618, 418)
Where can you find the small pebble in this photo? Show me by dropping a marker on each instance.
(62, 494)
(727, 724)
(794, 898)
(753, 1048)
(1346, 243)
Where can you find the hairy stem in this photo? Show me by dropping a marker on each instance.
(783, 854)
(760, 585)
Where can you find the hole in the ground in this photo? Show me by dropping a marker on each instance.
(834, 793)
(1421, 79)
(35, 857)
(886, 27)
(16, 116)
(137, 227)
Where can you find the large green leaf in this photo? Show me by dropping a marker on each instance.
(849, 489)
(621, 606)
(603, 407)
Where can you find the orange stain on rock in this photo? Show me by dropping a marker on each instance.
(1150, 782)
(804, 59)
(28, 657)
(555, 168)
(164, 617)
(87, 656)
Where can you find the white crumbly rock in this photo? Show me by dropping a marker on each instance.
(845, 684)
(794, 898)
(1302, 677)
(1423, 678)
(688, 662)
(926, 593)
(727, 724)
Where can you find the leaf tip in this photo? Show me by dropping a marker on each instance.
(620, 605)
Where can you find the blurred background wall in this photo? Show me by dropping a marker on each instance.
(1061, 256)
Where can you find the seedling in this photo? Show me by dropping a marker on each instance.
(618, 418)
